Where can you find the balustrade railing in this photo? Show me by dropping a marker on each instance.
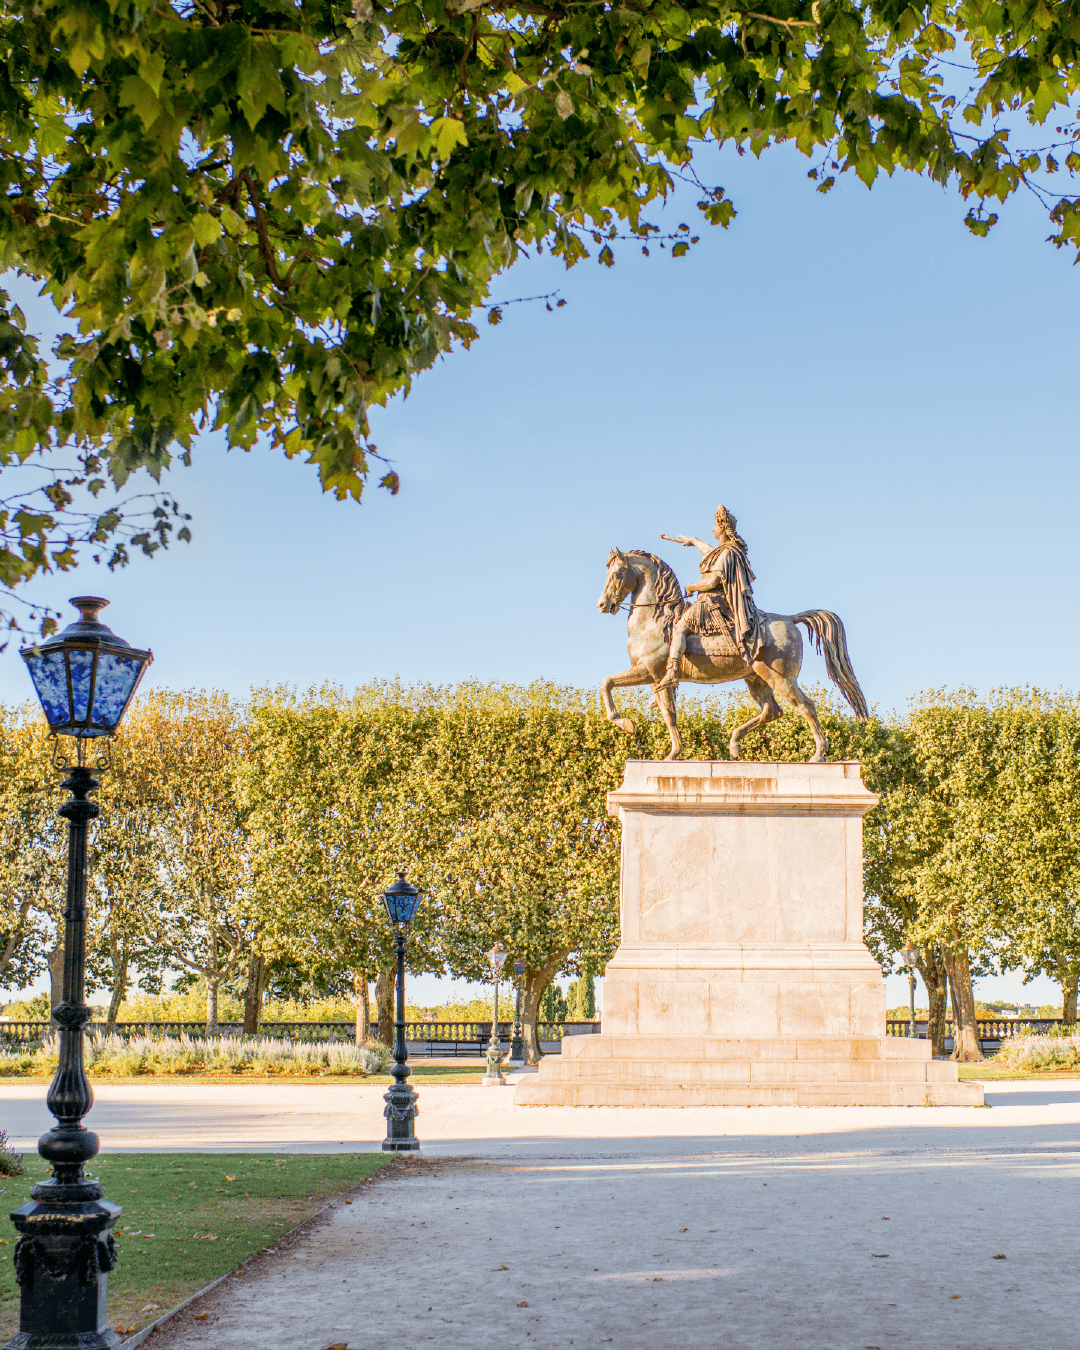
(458, 1037)
(994, 1029)
(435, 1037)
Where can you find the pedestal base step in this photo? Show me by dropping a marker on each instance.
(758, 1071)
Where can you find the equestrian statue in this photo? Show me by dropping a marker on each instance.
(717, 636)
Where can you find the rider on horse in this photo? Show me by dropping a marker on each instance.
(725, 600)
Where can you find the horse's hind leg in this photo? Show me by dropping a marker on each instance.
(770, 711)
(788, 689)
(625, 679)
(665, 701)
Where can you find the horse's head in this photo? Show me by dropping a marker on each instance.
(622, 580)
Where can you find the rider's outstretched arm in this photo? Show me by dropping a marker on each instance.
(689, 541)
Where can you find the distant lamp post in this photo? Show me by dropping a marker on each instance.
(517, 1045)
(911, 955)
(84, 679)
(401, 901)
(494, 1076)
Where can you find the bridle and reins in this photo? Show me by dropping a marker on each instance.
(639, 604)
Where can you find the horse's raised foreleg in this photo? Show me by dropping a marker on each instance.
(665, 701)
(624, 680)
(770, 711)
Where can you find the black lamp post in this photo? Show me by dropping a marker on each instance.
(401, 901)
(494, 1076)
(911, 955)
(517, 1045)
(84, 679)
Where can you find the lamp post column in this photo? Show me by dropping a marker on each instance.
(494, 1073)
(65, 1250)
(517, 1045)
(494, 1076)
(911, 991)
(401, 1109)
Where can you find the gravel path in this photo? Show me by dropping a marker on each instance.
(777, 1244)
(459, 1118)
(765, 1229)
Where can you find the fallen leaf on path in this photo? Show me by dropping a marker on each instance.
(201, 1317)
(523, 1305)
(500, 1267)
(658, 1279)
(954, 1295)
(999, 1256)
(880, 1255)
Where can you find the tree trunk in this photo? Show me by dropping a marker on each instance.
(363, 1010)
(966, 1047)
(120, 959)
(211, 1004)
(533, 984)
(1068, 998)
(253, 994)
(14, 938)
(56, 969)
(932, 969)
(384, 1005)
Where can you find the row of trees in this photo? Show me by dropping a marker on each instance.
(246, 845)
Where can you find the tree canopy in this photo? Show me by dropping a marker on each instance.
(268, 216)
(237, 840)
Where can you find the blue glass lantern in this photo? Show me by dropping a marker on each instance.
(401, 901)
(86, 676)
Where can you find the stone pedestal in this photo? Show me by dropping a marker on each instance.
(742, 978)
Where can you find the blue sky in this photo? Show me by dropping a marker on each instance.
(887, 403)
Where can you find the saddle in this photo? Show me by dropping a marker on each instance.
(710, 627)
(712, 645)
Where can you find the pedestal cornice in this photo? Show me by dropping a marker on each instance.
(742, 787)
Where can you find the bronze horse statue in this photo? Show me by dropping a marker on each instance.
(655, 601)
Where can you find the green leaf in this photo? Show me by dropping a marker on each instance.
(206, 229)
(258, 81)
(1048, 94)
(641, 58)
(151, 70)
(136, 93)
(980, 225)
(448, 133)
(236, 225)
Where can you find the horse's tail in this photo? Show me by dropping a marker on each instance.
(829, 637)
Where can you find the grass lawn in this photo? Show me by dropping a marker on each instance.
(188, 1218)
(989, 1071)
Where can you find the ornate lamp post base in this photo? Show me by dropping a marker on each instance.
(62, 1262)
(400, 1112)
(494, 1076)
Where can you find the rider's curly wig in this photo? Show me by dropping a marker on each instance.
(727, 523)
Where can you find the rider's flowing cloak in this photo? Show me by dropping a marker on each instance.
(731, 609)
